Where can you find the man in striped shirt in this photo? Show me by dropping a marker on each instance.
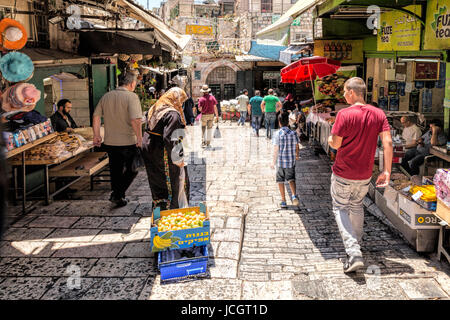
(286, 152)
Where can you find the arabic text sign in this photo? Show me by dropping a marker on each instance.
(399, 31)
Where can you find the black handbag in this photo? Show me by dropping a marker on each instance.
(138, 161)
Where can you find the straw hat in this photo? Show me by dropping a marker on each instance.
(136, 57)
(16, 66)
(13, 35)
(21, 96)
(205, 88)
(124, 57)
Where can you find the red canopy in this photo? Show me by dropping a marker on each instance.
(307, 69)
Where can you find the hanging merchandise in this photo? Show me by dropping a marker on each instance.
(21, 97)
(393, 102)
(383, 102)
(419, 84)
(414, 98)
(124, 57)
(401, 88)
(13, 35)
(16, 66)
(426, 101)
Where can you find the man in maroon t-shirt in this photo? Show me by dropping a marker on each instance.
(355, 135)
(207, 105)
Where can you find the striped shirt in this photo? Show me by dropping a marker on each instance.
(286, 140)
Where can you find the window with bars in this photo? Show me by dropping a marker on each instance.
(229, 91)
(266, 5)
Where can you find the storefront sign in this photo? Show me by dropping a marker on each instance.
(348, 51)
(399, 31)
(437, 25)
(195, 29)
(332, 86)
(271, 75)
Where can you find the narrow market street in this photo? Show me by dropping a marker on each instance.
(84, 249)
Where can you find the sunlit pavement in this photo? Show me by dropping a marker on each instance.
(85, 249)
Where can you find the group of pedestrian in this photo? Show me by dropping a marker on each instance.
(354, 135)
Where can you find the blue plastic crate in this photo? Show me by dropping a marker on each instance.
(184, 267)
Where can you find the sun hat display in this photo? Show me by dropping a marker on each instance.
(124, 57)
(13, 35)
(136, 57)
(205, 88)
(21, 96)
(16, 66)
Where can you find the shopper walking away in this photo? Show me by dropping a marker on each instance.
(270, 106)
(355, 135)
(286, 152)
(243, 106)
(207, 105)
(188, 110)
(163, 152)
(122, 115)
(255, 111)
(433, 137)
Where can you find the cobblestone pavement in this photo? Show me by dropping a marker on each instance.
(257, 250)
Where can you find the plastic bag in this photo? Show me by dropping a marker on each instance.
(182, 199)
(138, 161)
(217, 134)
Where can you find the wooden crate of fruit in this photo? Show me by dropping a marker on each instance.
(179, 228)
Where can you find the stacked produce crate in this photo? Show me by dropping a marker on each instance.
(180, 238)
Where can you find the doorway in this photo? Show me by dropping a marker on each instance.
(222, 81)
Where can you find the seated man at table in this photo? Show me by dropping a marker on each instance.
(61, 119)
(411, 133)
(433, 137)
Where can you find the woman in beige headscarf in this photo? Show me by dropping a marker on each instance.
(162, 151)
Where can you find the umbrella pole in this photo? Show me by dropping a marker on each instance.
(312, 88)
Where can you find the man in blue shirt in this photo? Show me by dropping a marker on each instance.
(255, 111)
(286, 152)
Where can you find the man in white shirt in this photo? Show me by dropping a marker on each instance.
(411, 132)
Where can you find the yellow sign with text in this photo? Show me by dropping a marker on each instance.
(195, 29)
(399, 31)
(437, 25)
(346, 51)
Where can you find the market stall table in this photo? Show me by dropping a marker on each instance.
(22, 150)
(71, 164)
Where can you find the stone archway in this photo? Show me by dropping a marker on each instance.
(216, 64)
(221, 78)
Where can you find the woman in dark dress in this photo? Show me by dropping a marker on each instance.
(162, 150)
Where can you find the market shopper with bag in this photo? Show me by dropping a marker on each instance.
(355, 134)
(207, 105)
(122, 115)
(163, 152)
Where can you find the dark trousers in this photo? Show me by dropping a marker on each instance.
(417, 160)
(121, 168)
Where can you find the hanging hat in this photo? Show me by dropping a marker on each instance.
(124, 57)
(16, 66)
(13, 35)
(21, 96)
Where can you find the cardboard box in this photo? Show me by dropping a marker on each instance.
(181, 239)
(391, 196)
(422, 240)
(415, 216)
(442, 211)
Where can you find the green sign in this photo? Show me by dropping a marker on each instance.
(437, 26)
(447, 86)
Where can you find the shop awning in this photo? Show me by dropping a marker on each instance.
(278, 29)
(44, 57)
(162, 32)
(294, 52)
(266, 50)
(129, 42)
(251, 58)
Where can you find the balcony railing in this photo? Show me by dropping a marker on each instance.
(236, 46)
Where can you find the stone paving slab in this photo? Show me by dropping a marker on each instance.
(257, 250)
